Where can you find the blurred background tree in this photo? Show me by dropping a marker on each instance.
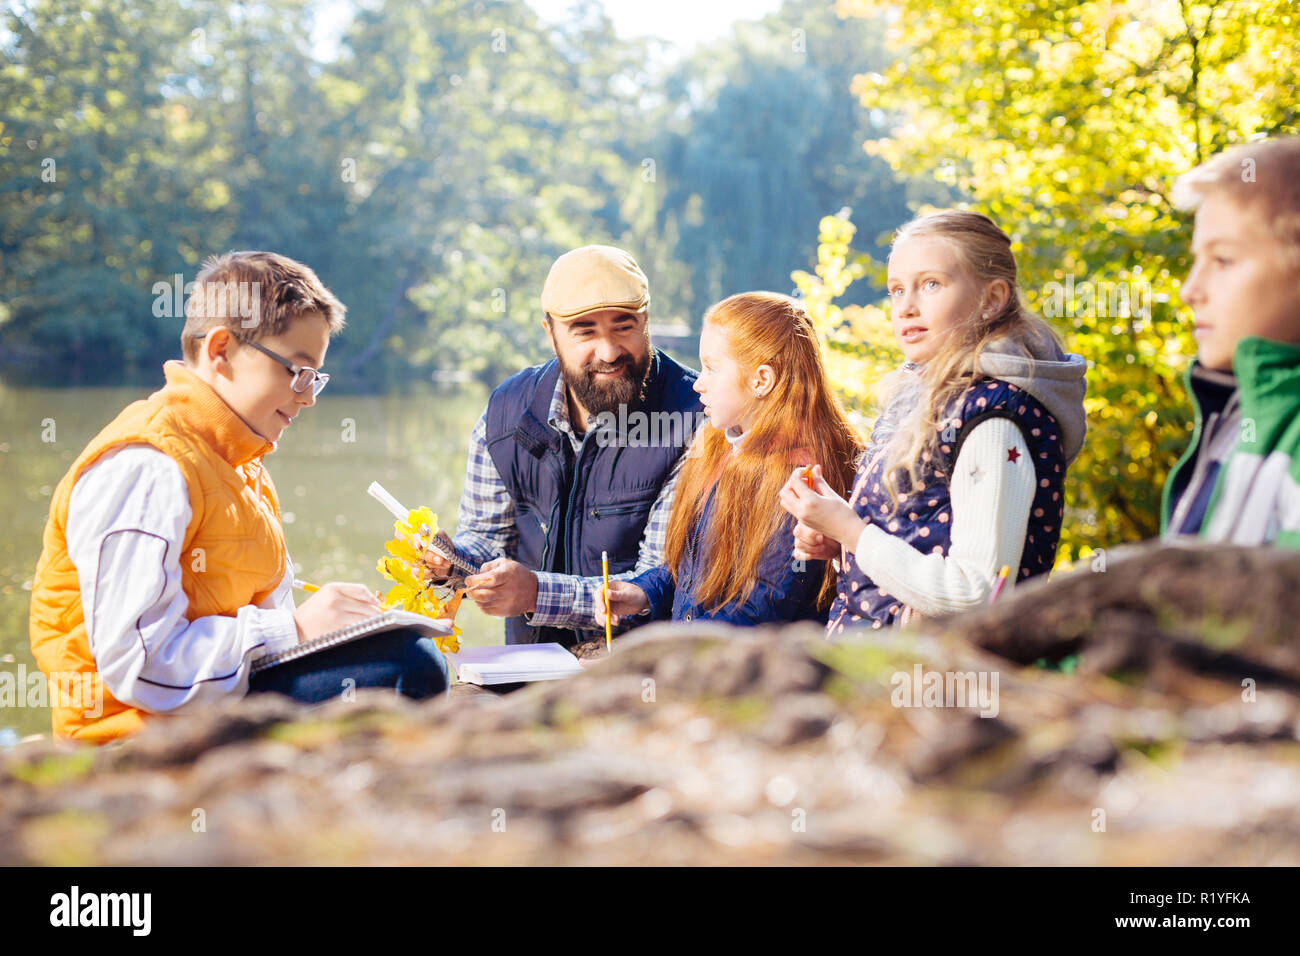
(98, 197)
(429, 166)
(860, 347)
(429, 172)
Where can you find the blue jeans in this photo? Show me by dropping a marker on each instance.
(403, 660)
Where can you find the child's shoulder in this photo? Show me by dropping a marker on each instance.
(121, 470)
(147, 437)
(989, 396)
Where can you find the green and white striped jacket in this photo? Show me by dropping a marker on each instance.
(1254, 497)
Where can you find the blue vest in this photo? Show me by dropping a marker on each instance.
(569, 508)
(924, 518)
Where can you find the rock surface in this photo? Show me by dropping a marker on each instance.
(1174, 741)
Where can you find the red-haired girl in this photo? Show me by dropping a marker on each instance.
(728, 554)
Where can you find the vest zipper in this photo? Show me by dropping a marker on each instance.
(568, 514)
(568, 520)
(257, 487)
(548, 526)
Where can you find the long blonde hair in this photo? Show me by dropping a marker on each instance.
(984, 250)
(800, 422)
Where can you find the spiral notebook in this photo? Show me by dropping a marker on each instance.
(388, 621)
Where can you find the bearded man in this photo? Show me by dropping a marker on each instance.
(557, 473)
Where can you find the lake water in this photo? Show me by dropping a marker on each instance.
(414, 443)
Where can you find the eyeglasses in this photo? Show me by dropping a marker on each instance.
(304, 376)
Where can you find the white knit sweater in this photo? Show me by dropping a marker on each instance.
(992, 491)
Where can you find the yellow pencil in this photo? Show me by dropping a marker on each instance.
(604, 567)
(309, 588)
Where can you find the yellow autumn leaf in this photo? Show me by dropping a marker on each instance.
(404, 567)
(403, 551)
(416, 519)
(399, 572)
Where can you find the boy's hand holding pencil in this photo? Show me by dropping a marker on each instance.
(333, 606)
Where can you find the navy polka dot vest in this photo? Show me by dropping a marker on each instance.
(924, 519)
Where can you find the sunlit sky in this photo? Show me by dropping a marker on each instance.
(683, 23)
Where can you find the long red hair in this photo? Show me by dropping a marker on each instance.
(800, 421)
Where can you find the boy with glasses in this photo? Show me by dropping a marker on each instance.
(164, 573)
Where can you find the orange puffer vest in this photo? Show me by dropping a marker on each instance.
(233, 553)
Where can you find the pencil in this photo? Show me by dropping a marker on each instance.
(807, 477)
(1002, 580)
(604, 568)
(309, 588)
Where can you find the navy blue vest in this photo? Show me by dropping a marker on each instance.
(924, 518)
(786, 589)
(569, 508)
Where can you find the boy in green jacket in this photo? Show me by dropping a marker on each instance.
(1239, 481)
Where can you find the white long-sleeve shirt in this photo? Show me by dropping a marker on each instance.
(127, 517)
(990, 518)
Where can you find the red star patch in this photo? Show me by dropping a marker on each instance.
(1013, 455)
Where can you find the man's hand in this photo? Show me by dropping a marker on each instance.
(624, 598)
(335, 605)
(438, 567)
(503, 588)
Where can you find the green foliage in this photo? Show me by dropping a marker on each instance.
(85, 133)
(429, 173)
(1067, 123)
(769, 140)
(860, 348)
(429, 169)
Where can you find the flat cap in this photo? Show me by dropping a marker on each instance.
(593, 278)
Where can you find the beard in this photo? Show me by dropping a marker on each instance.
(598, 395)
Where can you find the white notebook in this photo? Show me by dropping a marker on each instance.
(513, 663)
(388, 621)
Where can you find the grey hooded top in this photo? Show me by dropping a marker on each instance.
(1054, 377)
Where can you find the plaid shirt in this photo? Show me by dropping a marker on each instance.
(485, 528)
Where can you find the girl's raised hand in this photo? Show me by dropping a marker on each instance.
(624, 598)
(819, 508)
